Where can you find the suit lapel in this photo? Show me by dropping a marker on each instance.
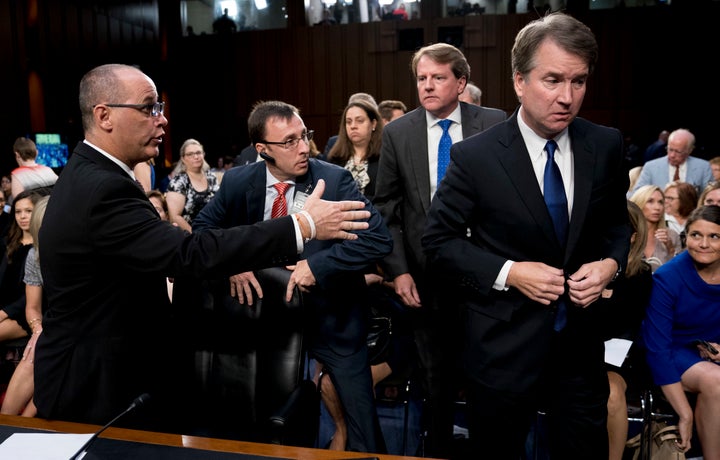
(255, 197)
(417, 153)
(515, 159)
(584, 157)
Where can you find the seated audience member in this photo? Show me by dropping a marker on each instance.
(710, 195)
(192, 187)
(5, 217)
(684, 307)
(364, 96)
(358, 146)
(633, 175)
(680, 200)
(7, 187)
(18, 398)
(29, 175)
(145, 174)
(677, 165)
(471, 94)
(658, 148)
(390, 110)
(662, 243)
(158, 201)
(19, 240)
(715, 168)
(624, 308)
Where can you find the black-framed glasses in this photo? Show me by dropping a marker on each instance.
(293, 143)
(154, 109)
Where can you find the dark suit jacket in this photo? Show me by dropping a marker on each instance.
(490, 187)
(338, 314)
(402, 192)
(106, 255)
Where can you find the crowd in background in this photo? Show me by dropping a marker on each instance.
(669, 274)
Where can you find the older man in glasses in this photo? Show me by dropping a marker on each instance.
(677, 165)
(329, 273)
(109, 335)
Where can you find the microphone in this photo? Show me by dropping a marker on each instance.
(139, 401)
(266, 157)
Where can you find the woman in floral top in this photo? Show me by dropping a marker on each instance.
(192, 187)
(358, 146)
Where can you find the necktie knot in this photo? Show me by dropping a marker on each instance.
(550, 149)
(279, 207)
(443, 149)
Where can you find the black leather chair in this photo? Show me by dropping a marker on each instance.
(249, 380)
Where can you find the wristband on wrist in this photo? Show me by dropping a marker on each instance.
(311, 223)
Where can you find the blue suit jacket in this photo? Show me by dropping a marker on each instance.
(657, 172)
(337, 309)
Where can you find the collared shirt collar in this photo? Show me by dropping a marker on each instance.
(455, 116)
(125, 167)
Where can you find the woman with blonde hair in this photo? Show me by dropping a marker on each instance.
(662, 243)
(192, 186)
(710, 195)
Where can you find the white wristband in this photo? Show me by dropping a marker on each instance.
(310, 222)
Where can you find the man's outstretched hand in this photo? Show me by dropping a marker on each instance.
(334, 219)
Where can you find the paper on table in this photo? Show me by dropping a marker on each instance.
(616, 350)
(42, 446)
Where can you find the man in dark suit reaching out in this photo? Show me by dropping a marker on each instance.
(108, 333)
(525, 275)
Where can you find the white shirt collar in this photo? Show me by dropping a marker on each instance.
(455, 116)
(125, 167)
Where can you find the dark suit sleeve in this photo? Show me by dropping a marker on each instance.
(372, 244)
(129, 230)
(388, 198)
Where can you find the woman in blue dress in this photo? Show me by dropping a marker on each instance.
(685, 307)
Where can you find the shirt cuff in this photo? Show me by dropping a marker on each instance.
(501, 280)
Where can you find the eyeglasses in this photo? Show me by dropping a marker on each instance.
(154, 109)
(670, 198)
(293, 143)
(194, 154)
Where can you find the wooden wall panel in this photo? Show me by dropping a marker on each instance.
(647, 79)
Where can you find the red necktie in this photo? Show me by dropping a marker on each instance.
(279, 207)
(676, 177)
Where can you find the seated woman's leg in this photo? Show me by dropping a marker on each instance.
(704, 380)
(617, 423)
(18, 397)
(334, 407)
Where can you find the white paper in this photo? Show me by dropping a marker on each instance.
(616, 350)
(42, 446)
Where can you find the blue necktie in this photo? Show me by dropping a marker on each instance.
(556, 202)
(443, 149)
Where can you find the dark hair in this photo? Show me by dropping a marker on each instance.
(342, 151)
(26, 148)
(687, 196)
(710, 213)
(567, 32)
(443, 53)
(15, 233)
(387, 107)
(262, 111)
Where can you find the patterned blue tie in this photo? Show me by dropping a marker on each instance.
(556, 202)
(443, 149)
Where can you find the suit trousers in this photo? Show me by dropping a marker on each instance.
(572, 394)
(438, 352)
